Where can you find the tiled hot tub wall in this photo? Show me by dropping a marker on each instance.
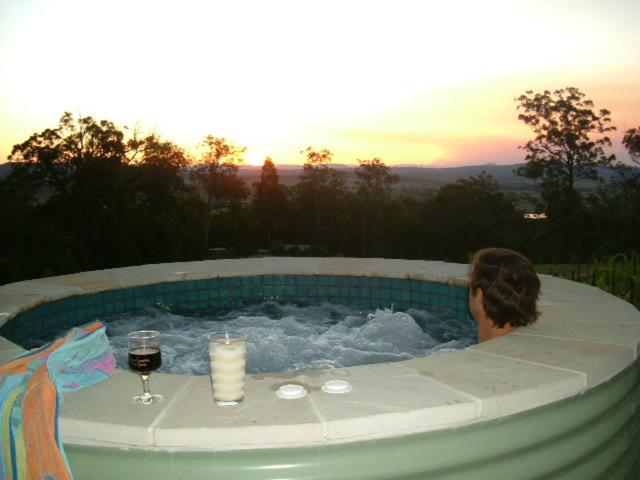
(219, 293)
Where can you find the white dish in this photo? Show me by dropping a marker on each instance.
(336, 386)
(291, 392)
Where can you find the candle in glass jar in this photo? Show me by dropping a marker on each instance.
(227, 353)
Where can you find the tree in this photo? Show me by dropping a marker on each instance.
(466, 215)
(56, 157)
(563, 149)
(79, 167)
(270, 201)
(631, 142)
(373, 185)
(319, 194)
(217, 175)
(569, 145)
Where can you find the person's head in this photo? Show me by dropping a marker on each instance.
(504, 288)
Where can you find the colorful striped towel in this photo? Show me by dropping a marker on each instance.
(32, 387)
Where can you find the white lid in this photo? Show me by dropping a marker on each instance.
(336, 386)
(291, 391)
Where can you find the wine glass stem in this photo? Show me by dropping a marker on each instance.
(145, 384)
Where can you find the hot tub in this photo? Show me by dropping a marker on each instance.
(559, 399)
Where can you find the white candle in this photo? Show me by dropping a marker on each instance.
(227, 353)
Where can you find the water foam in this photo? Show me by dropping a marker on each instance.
(282, 338)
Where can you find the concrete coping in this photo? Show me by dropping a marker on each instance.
(583, 338)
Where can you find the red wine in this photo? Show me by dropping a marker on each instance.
(145, 359)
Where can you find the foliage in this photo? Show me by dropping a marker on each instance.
(88, 195)
(467, 215)
(320, 195)
(620, 276)
(374, 182)
(216, 174)
(270, 202)
(631, 142)
(563, 148)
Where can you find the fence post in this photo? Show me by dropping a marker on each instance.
(579, 277)
(613, 283)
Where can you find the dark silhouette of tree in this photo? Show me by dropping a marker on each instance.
(80, 163)
(569, 145)
(216, 174)
(100, 200)
(631, 142)
(55, 157)
(374, 182)
(319, 193)
(270, 202)
(616, 210)
(466, 215)
(563, 149)
(166, 214)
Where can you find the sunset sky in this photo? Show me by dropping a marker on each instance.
(419, 82)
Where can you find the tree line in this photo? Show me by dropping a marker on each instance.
(88, 195)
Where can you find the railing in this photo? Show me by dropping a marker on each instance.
(618, 275)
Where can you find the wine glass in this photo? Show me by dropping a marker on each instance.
(144, 358)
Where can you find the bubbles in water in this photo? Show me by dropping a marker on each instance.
(283, 338)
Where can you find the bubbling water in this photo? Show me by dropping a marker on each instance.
(284, 338)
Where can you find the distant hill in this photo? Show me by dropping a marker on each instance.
(411, 178)
(415, 178)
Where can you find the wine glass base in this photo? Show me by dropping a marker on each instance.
(147, 399)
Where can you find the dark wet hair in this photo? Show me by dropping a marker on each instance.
(509, 285)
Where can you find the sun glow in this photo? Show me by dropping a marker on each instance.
(404, 81)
